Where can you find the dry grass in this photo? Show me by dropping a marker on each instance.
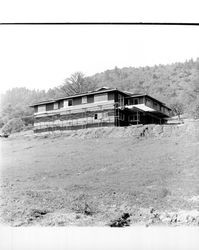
(93, 181)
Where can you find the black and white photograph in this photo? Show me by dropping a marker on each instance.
(99, 125)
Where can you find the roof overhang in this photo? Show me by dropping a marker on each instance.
(146, 109)
(78, 95)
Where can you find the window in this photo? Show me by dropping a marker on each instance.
(136, 101)
(130, 101)
(111, 96)
(36, 109)
(49, 106)
(95, 116)
(70, 102)
(76, 101)
(149, 103)
(60, 104)
(120, 100)
(122, 117)
(134, 117)
(155, 105)
(90, 98)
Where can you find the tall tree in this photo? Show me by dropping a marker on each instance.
(177, 108)
(77, 83)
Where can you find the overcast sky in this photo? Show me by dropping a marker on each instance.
(42, 57)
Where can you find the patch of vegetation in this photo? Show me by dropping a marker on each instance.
(123, 221)
(83, 206)
(13, 125)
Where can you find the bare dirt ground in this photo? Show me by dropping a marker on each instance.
(115, 177)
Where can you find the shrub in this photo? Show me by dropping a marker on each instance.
(1, 122)
(13, 125)
(177, 108)
(195, 109)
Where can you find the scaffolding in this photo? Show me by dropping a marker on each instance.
(85, 120)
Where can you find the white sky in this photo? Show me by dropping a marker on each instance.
(43, 56)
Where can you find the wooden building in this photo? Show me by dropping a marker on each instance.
(103, 107)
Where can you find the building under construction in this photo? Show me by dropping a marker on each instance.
(103, 107)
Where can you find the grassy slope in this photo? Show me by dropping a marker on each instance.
(110, 175)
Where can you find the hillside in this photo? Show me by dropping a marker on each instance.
(164, 82)
(144, 175)
(177, 82)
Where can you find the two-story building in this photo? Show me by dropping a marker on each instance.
(103, 107)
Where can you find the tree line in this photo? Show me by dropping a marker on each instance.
(175, 84)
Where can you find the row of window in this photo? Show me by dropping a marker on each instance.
(96, 98)
(149, 103)
(131, 118)
(75, 101)
(134, 101)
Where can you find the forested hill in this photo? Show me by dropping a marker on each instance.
(164, 82)
(173, 83)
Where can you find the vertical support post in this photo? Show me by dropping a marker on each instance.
(86, 118)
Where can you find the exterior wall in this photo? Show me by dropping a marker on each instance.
(65, 103)
(157, 106)
(103, 109)
(101, 97)
(76, 101)
(74, 121)
(41, 108)
(79, 115)
(56, 106)
(135, 100)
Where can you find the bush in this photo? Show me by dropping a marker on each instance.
(13, 125)
(1, 122)
(177, 108)
(195, 109)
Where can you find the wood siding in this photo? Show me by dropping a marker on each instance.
(101, 97)
(78, 116)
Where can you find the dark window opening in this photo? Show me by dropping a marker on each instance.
(49, 106)
(36, 109)
(121, 116)
(90, 98)
(60, 104)
(130, 102)
(136, 101)
(111, 96)
(155, 105)
(76, 101)
(134, 117)
(70, 102)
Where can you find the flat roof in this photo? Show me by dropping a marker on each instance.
(101, 90)
(98, 91)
